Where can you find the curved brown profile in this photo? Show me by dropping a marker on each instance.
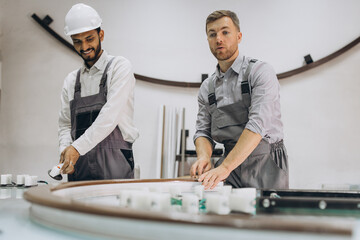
(195, 84)
(43, 196)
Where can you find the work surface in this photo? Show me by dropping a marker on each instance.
(16, 223)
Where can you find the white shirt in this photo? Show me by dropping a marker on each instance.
(118, 109)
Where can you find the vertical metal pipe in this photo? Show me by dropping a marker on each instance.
(162, 144)
(183, 144)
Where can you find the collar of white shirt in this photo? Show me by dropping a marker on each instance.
(99, 65)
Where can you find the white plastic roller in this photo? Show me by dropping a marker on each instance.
(140, 200)
(190, 203)
(243, 200)
(160, 202)
(6, 179)
(30, 181)
(218, 204)
(226, 190)
(20, 180)
(199, 191)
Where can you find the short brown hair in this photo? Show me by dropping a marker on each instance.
(223, 13)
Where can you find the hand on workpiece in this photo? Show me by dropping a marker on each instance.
(69, 157)
(201, 166)
(211, 178)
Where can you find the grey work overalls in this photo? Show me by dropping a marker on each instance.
(112, 158)
(267, 165)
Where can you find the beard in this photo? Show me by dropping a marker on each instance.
(224, 55)
(96, 56)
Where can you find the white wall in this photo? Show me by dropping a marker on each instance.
(166, 39)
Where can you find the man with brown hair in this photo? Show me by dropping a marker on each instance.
(239, 106)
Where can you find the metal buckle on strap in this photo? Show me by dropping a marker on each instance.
(245, 88)
(212, 98)
(77, 87)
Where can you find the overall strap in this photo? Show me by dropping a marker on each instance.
(102, 85)
(211, 95)
(77, 93)
(245, 86)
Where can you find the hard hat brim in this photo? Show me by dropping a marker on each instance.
(81, 30)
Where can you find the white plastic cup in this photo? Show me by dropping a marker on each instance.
(226, 190)
(124, 198)
(190, 203)
(218, 204)
(20, 180)
(160, 202)
(243, 200)
(30, 181)
(175, 191)
(199, 191)
(4, 179)
(140, 200)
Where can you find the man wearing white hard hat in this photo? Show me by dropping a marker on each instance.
(96, 129)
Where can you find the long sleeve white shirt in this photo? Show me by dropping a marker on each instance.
(118, 110)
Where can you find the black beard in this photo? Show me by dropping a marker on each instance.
(97, 52)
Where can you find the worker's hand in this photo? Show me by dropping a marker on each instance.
(211, 178)
(201, 166)
(69, 157)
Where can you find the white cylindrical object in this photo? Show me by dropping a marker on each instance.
(190, 203)
(244, 191)
(137, 171)
(30, 181)
(124, 198)
(34, 180)
(4, 179)
(175, 192)
(226, 190)
(140, 200)
(20, 180)
(155, 201)
(160, 202)
(218, 204)
(243, 200)
(199, 191)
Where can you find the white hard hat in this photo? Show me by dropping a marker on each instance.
(81, 18)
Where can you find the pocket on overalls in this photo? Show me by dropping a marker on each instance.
(223, 121)
(83, 122)
(128, 154)
(279, 158)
